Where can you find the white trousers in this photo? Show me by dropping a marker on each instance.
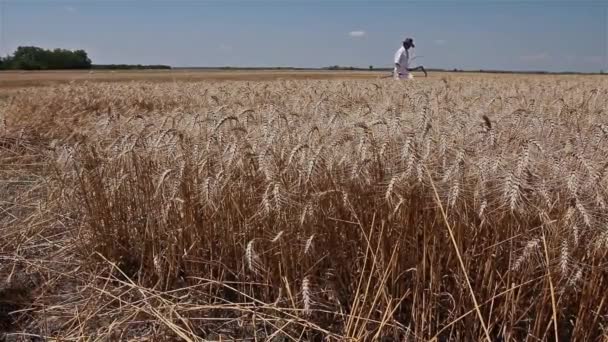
(402, 74)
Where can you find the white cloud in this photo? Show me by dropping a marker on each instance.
(357, 33)
(536, 57)
(440, 41)
(70, 9)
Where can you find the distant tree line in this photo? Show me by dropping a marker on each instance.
(35, 58)
(338, 67)
(351, 68)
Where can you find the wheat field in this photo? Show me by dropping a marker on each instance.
(449, 209)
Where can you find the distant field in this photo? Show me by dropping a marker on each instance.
(38, 78)
(12, 79)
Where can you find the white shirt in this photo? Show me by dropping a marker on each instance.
(402, 57)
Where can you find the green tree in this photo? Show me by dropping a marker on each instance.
(35, 58)
(28, 58)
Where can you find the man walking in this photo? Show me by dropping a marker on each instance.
(402, 60)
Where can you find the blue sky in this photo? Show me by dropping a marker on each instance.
(515, 35)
